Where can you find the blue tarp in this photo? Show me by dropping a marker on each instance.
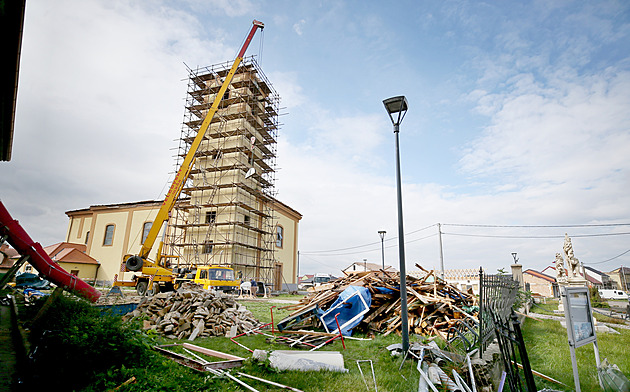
(351, 305)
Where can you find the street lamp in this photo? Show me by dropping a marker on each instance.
(381, 233)
(514, 257)
(397, 108)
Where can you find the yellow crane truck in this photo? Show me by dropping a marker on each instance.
(156, 275)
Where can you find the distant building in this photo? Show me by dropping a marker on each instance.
(8, 256)
(73, 259)
(601, 280)
(362, 266)
(464, 279)
(540, 283)
(621, 278)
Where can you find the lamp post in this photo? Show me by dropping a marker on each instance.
(397, 108)
(381, 233)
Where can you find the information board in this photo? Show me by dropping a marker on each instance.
(579, 316)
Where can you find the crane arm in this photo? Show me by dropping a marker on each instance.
(184, 170)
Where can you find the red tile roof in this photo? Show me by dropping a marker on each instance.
(66, 252)
(540, 275)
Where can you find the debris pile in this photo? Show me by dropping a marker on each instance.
(192, 312)
(434, 306)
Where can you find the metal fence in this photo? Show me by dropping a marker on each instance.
(497, 296)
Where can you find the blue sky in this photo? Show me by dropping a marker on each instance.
(518, 116)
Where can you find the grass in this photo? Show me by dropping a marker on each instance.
(549, 353)
(546, 342)
(551, 305)
(100, 343)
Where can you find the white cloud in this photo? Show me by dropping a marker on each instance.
(298, 27)
(573, 131)
(100, 105)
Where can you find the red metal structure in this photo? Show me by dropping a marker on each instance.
(17, 237)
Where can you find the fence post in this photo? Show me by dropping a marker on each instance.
(527, 370)
(481, 336)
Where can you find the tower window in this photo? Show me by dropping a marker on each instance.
(207, 247)
(279, 236)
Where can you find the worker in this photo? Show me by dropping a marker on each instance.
(245, 287)
(254, 287)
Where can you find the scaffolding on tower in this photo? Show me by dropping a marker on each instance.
(226, 213)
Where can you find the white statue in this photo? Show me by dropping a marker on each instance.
(573, 263)
(561, 273)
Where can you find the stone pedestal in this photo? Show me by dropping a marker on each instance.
(561, 286)
(517, 275)
(577, 281)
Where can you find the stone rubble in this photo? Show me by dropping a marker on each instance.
(192, 312)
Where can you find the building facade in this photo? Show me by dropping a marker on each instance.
(111, 231)
(540, 283)
(108, 232)
(621, 278)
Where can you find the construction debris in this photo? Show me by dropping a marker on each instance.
(193, 312)
(434, 306)
(301, 360)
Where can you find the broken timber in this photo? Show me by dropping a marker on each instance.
(434, 306)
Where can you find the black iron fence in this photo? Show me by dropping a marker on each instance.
(497, 296)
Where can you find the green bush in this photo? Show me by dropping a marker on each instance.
(73, 341)
(596, 299)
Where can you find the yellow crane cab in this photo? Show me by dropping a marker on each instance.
(217, 277)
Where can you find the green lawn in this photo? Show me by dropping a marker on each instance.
(548, 351)
(546, 343)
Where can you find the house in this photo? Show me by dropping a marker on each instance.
(464, 279)
(8, 256)
(363, 266)
(306, 278)
(621, 278)
(540, 283)
(73, 259)
(602, 280)
(70, 257)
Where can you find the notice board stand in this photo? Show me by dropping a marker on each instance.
(580, 326)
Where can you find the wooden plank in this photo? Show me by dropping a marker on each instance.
(212, 353)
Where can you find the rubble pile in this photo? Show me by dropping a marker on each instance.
(434, 306)
(192, 312)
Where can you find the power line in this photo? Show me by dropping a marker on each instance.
(534, 236)
(370, 244)
(536, 226)
(611, 259)
(334, 252)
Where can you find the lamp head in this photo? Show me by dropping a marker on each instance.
(396, 108)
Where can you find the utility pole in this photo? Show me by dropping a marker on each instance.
(381, 233)
(441, 251)
(298, 266)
